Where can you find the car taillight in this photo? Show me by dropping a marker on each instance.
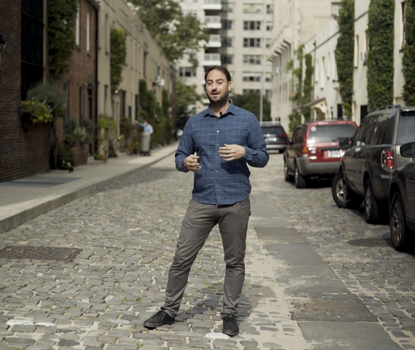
(283, 135)
(388, 160)
(304, 150)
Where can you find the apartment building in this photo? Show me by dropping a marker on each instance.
(295, 23)
(240, 33)
(144, 61)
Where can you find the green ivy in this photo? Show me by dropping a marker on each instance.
(380, 66)
(39, 112)
(344, 54)
(61, 37)
(118, 54)
(408, 68)
(308, 85)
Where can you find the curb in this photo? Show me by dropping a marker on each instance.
(18, 219)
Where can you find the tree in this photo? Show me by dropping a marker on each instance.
(344, 54)
(380, 57)
(174, 32)
(186, 96)
(409, 54)
(251, 102)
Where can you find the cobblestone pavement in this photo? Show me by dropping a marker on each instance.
(127, 235)
(381, 277)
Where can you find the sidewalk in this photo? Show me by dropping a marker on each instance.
(23, 199)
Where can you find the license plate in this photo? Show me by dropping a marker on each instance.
(271, 139)
(334, 154)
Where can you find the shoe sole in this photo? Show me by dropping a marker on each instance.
(155, 325)
(231, 334)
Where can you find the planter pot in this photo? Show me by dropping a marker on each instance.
(26, 122)
(80, 155)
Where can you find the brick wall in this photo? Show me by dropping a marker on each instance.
(83, 70)
(21, 153)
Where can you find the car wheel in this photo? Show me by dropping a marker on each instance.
(343, 197)
(299, 180)
(398, 228)
(287, 176)
(370, 205)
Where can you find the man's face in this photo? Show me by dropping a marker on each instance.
(217, 87)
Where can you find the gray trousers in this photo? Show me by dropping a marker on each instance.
(196, 227)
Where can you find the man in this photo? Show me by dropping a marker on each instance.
(147, 128)
(225, 138)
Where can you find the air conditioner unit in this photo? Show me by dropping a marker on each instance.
(278, 70)
(363, 56)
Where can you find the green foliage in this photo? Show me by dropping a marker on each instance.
(308, 85)
(74, 132)
(344, 54)
(87, 124)
(186, 95)
(117, 58)
(50, 94)
(65, 156)
(61, 37)
(295, 120)
(251, 102)
(106, 122)
(408, 68)
(380, 67)
(174, 32)
(39, 112)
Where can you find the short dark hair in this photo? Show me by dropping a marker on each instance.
(221, 69)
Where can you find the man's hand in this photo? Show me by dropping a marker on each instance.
(231, 152)
(191, 163)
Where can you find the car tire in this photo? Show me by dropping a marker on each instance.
(287, 176)
(343, 197)
(299, 180)
(370, 205)
(397, 222)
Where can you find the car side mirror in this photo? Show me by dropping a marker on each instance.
(408, 150)
(345, 142)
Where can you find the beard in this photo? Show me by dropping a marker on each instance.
(220, 100)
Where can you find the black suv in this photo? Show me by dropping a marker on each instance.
(275, 136)
(374, 153)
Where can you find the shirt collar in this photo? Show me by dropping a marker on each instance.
(230, 110)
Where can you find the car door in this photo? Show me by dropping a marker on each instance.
(410, 189)
(352, 159)
(291, 150)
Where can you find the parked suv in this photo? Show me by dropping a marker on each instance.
(374, 153)
(275, 136)
(314, 150)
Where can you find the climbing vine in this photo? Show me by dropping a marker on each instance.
(409, 54)
(344, 54)
(117, 59)
(61, 37)
(380, 66)
(308, 85)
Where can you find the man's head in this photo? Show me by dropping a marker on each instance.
(145, 122)
(218, 85)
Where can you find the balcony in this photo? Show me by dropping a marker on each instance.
(212, 5)
(211, 59)
(213, 22)
(214, 41)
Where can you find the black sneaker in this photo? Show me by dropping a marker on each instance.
(230, 326)
(159, 319)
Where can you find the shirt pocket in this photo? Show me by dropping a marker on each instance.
(237, 135)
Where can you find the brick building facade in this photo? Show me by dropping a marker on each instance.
(21, 153)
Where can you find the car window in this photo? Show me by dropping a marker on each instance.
(383, 133)
(358, 137)
(276, 130)
(368, 135)
(330, 133)
(406, 128)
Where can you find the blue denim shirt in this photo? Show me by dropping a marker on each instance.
(222, 182)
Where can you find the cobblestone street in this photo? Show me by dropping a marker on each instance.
(309, 284)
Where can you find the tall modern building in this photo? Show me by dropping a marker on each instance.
(240, 33)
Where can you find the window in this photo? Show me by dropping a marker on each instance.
(189, 12)
(269, 25)
(105, 98)
(252, 25)
(227, 24)
(88, 32)
(250, 91)
(252, 42)
(328, 133)
(227, 7)
(356, 51)
(227, 59)
(268, 93)
(122, 95)
(187, 72)
(268, 42)
(106, 30)
(252, 8)
(78, 26)
(226, 41)
(188, 1)
(252, 59)
(270, 9)
(251, 77)
(268, 77)
(335, 7)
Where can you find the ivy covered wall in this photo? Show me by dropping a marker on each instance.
(408, 59)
